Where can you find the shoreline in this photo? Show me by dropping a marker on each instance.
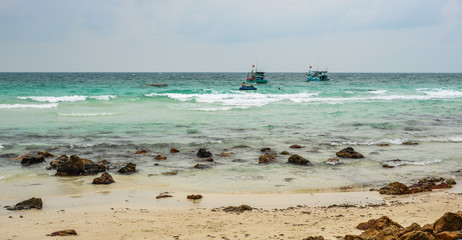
(136, 214)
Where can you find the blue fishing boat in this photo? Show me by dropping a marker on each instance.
(316, 75)
(255, 76)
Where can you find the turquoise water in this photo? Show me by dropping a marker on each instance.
(111, 115)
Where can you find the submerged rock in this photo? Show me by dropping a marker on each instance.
(174, 150)
(295, 146)
(161, 157)
(284, 153)
(55, 163)
(203, 153)
(46, 154)
(142, 151)
(225, 154)
(128, 169)
(105, 178)
(334, 161)
(349, 152)
(30, 160)
(267, 158)
(202, 166)
(410, 143)
(265, 149)
(205, 159)
(27, 204)
(171, 173)
(296, 159)
(67, 232)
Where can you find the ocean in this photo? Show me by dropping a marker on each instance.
(112, 115)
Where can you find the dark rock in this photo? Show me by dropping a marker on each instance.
(55, 163)
(163, 195)
(155, 85)
(161, 157)
(76, 166)
(448, 222)
(205, 159)
(46, 154)
(8, 155)
(266, 149)
(128, 169)
(194, 197)
(284, 153)
(383, 144)
(202, 166)
(203, 153)
(431, 180)
(395, 188)
(378, 224)
(142, 151)
(68, 232)
(174, 150)
(411, 228)
(410, 143)
(295, 146)
(239, 209)
(29, 160)
(349, 152)
(105, 178)
(27, 204)
(266, 158)
(314, 238)
(296, 159)
(387, 166)
(451, 181)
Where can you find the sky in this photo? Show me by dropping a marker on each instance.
(230, 35)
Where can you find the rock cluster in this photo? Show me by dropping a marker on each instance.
(449, 226)
(423, 185)
(29, 160)
(239, 209)
(267, 158)
(76, 166)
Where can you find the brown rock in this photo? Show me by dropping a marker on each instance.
(142, 151)
(194, 197)
(417, 235)
(352, 237)
(128, 169)
(411, 228)
(394, 188)
(284, 153)
(30, 160)
(164, 195)
(349, 152)
(68, 232)
(334, 161)
(105, 178)
(378, 224)
(46, 154)
(295, 146)
(387, 166)
(161, 157)
(448, 222)
(383, 144)
(225, 154)
(266, 158)
(174, 150)
(410, 143)
(455, 235)
(205, 159)
(296, 159)
(266, 149)
(239, 209)
(170, 173)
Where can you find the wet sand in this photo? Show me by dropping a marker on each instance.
(137, 214)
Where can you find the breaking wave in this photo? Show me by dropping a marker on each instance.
(28, 106)
(74, 98)
(85, 114)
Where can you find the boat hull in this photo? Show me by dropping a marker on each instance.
(247, 88)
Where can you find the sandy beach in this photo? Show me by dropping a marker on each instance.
(136, 214)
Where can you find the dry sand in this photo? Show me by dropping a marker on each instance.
(130, 214)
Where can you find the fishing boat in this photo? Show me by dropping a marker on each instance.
(255, 76)
(316, 75)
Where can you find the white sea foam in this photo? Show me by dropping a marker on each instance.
(1, 147)
(255, 99)
(28, 106)
(379, 92)
(396, 141)
(85, 114)
(414, 163)
(74, 98)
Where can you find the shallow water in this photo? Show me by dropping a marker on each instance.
(111, 115)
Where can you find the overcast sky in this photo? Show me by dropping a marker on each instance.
(230, 35)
